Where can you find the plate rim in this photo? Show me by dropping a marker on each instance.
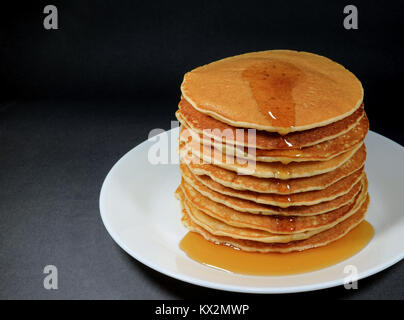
(230, 287)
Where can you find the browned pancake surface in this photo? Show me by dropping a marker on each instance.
(320, 152)
(273, 224)
(218, 227)
(259, 169)
(198, 122)
(233, 180)
(297, 199)
(317, 240)
(277, 90)
(258, 208)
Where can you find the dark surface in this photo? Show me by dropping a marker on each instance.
(74, 100)
(138, 50)
(53, 162)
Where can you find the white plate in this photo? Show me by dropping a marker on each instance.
(140, 212)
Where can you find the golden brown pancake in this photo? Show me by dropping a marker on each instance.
(271, 149)
(217, 227)
(199, 122)
(316, 240)
(242, 205)
(277, 91)
(319, 152)
(297, 199)
(272, 224)
(264, 169)
(231, 179)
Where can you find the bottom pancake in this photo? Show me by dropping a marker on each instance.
(317, 240)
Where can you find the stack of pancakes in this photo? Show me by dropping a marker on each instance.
(272, 152)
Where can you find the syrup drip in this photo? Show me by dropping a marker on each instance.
(284, 142)
(274, 264)
(288, 143)
(283, 186)
(271, 84)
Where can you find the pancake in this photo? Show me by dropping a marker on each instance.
(320, 152)
(217, 227)
(199, 122)
(272, 151)
(297, 199)
(264, 169)
(272, 224)
(232, 180)
(277, 91)
(258, 208)
(317, 240)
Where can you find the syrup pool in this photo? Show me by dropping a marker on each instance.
(275, 264)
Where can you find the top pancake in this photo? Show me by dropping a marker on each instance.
(277, 91)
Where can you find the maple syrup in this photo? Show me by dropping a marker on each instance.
(271, 84)
(273, 264)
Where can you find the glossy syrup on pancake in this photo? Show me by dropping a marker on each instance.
(321, 152)
(255, 263)
(230, 179)
(305, 198)
(263, 169)
(198, 122)
(326, 93)
(271, 84)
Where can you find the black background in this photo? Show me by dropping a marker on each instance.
(73, 100)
